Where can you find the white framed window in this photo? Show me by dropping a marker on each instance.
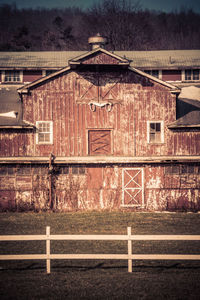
(12, 76)
(192, 74)
(155, 132)
(44, 133)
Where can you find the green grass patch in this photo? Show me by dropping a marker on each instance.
(86, 279)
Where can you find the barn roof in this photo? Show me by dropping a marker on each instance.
(191, 96)
(169, 59)
(80, 59)
(10, 108)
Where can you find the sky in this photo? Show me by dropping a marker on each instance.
(159, 5)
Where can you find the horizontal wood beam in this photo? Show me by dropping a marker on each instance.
(101, 159)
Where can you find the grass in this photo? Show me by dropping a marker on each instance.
(100, 279)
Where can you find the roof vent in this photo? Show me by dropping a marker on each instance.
(97, 41)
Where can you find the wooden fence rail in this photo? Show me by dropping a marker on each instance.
(129, 256)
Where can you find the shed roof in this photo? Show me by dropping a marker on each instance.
(169, 59)
(189, 95)
(11, 108)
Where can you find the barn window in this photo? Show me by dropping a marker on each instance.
(187, 169)
(48, 72)
(7, 170)
(23, 170)
(78, 170)
(64, 170)
(44, 132)
(173, 169)
(99, 142)
(155, 132)
(154, 73)
(192, 74)
(12, 76)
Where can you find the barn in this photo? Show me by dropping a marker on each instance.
(100, 134)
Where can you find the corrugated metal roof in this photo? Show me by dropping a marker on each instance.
(10, 101)
(170, 59)
(191, 119)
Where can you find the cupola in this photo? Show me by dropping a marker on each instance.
(97, 41)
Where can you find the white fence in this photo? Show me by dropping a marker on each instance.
(129, 256)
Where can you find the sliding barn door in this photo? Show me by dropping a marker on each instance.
(133, 187)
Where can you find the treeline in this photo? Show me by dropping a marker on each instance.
(127, 27)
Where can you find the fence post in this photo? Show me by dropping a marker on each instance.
(48, 266)
(129, 250)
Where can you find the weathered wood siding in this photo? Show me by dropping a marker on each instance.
(135, 99)
(31, 75)
(92, 187)
(171, 75)
(103, 112)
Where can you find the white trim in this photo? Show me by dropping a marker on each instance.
(51, 133)
(139, 189)
(162, 132)
(2, 76)
(192, 75)
(182, 75)
(21, 76)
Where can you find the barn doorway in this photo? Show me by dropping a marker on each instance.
(133, 187)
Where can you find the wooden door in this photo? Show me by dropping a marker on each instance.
(99, 142)
(132, 187)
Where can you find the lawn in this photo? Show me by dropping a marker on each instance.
(97, 279)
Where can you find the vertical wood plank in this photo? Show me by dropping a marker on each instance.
(48, 266)
(129, 250)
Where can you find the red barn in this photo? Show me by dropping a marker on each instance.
(100, 134)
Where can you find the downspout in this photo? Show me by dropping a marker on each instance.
(51, 160)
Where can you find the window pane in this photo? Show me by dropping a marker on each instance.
(155, 73)
(152, 137)
(81, 170)
(155, 132)
(157, 137)
(65, 170)
(75, 170)
(183, 169)
(12, 76)
(47, 137)
(188, 74)
(44, 132)
(195, 74)
(3, 171)
(175, 169)
(190, 169)
(152, 127)
(41, 137)
(158, 127)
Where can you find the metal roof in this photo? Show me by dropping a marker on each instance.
(10, 103)
(163, 59)
(191, 119)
